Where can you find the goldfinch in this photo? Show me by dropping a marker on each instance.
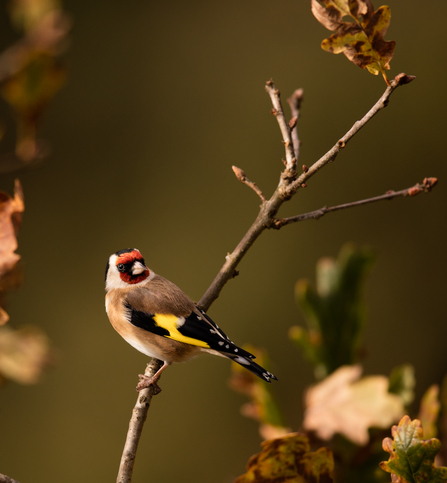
(155, 317)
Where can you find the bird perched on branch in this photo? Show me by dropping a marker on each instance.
(158, 319)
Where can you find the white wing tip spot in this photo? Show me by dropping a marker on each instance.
(242, 360)
(220, 342)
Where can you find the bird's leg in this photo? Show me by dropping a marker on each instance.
(146, 381)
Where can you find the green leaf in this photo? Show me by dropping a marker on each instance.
(334, 311)
(362, 38)
(288, 460)
(402, 382)
(412, 458)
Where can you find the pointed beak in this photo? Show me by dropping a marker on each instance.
(138, 268)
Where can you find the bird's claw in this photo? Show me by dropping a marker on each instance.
(146, 381)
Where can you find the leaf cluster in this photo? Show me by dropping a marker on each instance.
(345, 413)
(359, 32)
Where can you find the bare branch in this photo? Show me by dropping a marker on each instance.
(139, 415)
(7, 479)
(290, 171)
(399, 80)
(287, 187)
(240, 175)
(294, 102)
(425, 187)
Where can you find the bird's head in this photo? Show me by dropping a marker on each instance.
(126, 267)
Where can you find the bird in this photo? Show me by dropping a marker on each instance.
(158, 319)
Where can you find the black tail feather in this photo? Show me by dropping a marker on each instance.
(250, 365)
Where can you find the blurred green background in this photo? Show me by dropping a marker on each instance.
(162, 99)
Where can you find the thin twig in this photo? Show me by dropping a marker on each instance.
(399, 80)
(425, 187)
(139, 415)
(7, 479)
(290, 171)
(294, 102)
(240, 175)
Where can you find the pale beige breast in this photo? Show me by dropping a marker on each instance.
(152, 345)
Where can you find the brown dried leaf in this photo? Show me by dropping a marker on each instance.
(289, 460)
(24, 353)
(362, 39)
(10, 218)
(343, 403)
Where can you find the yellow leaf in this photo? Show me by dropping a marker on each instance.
(361, 40)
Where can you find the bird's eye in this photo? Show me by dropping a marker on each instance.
(121, 267)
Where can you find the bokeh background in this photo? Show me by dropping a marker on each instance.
(162, 99)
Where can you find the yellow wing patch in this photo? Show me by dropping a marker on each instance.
(170, 323)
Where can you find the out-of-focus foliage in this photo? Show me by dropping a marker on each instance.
(262, 406)
(360, 38)
(402, 383)
(334, 311)
(429, 411)
(412, 459)
(31, 72)
(24, 354)
(289, 460)
(345, 404)
(11, 209)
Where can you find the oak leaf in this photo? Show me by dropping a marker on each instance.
(362, 38)
(289, 460)
(412, 458)
(345, 404)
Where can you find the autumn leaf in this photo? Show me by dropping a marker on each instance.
(262, 406)
(334, 311)
(11, 209)
(345, 404)
(429, 411)
(24, 353)
(412, 459)
(362, 38)
(289, 460)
